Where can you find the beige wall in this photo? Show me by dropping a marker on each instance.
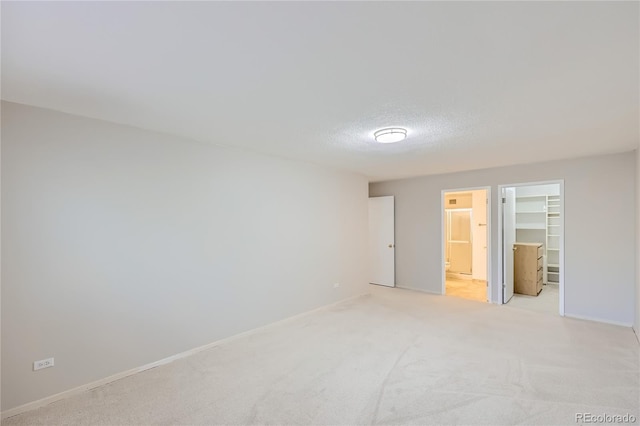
(479, 229)
(599, 249)
(462, 200)
(122, 247)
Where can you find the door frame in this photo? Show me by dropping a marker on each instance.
(561, 298)
(443, 244)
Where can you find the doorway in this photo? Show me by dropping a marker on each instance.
(465, 243)
(531, 239)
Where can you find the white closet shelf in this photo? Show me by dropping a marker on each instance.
(530, 226)
(539, 220)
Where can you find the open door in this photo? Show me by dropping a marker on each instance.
(508, 239)
(381, 241)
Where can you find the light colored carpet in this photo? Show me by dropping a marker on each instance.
(394, 357)
(546, 301)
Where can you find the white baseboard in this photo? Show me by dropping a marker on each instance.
(587, 318)
(83, 388)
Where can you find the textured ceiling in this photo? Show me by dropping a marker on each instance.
(477, 84)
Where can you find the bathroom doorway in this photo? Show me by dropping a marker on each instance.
(465, 241)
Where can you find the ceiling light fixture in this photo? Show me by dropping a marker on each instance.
(390, 135)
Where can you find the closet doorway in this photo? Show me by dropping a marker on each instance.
(465, 243)
(531, 239)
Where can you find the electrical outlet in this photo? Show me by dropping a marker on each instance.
(336, 285)
(43, 363)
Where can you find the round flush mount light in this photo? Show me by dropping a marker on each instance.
(390, 134)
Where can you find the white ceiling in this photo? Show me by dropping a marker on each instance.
(477, 84)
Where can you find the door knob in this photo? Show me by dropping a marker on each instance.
(390, 245)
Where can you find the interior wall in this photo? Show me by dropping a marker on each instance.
(599, 249)
(122, 247)
(550, 189)
(479, 230)
(458, 200)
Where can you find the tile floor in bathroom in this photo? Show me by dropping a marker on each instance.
(466, 289)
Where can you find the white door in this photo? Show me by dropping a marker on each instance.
(381, 241)
(508, 239)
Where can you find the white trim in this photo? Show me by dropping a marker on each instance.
(83, 388)
(561, 304)
(443, 244)
(489, 247)
(489, 252)
(600, 320)
(500, 298)
(561, 298)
